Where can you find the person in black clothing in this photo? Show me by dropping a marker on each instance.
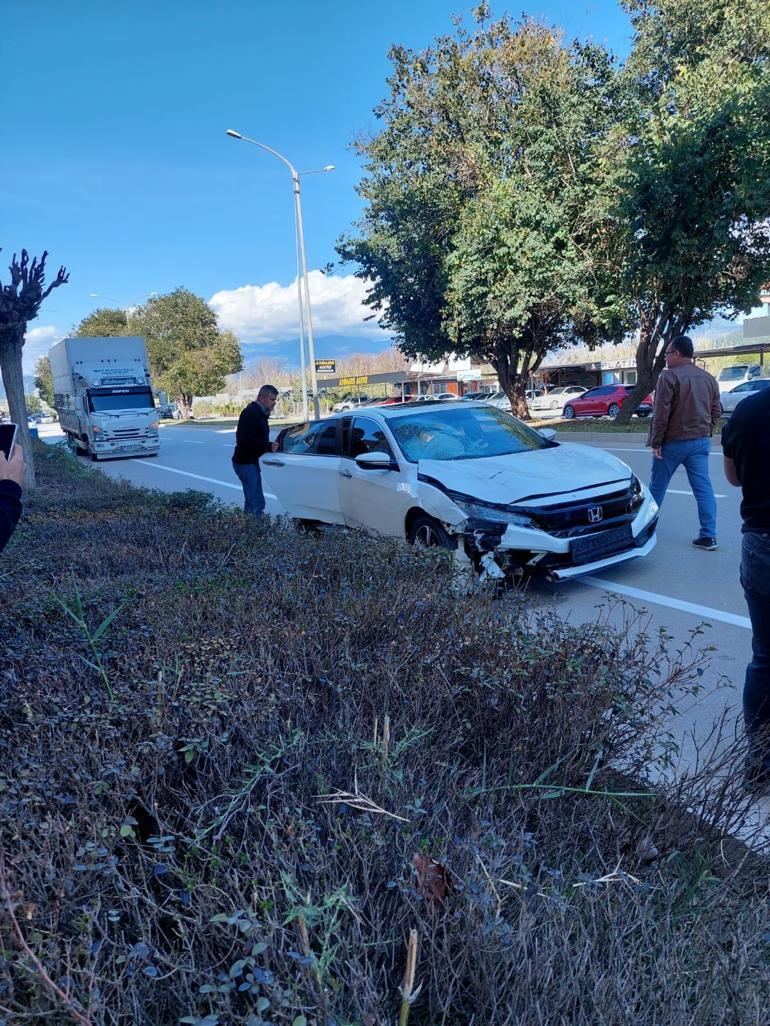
(11, 477)
(252, 440)
(745, 447)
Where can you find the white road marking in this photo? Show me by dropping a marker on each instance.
(193, 441)
(641, 449)
(675, 491)
(665, 600)
(186, 473)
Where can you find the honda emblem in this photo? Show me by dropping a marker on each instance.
(595, 514)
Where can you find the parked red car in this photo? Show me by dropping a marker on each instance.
(604, 401)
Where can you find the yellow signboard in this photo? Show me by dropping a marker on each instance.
(361, 379)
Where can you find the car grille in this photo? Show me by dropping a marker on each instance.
(573, 519)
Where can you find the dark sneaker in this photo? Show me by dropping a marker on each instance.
(709, 544)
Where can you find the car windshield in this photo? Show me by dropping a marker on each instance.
(732, 373)
(464, 433)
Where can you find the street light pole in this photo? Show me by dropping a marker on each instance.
(300, 237)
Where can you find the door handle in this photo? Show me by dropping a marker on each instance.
(274, 463)
(346, 473)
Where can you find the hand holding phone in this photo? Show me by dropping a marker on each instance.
(8, 439)
(12, 469)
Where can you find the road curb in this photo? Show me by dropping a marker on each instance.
(617, 437)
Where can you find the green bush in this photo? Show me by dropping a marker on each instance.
(239, 764)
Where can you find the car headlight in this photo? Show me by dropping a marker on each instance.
(487, 511)
(637, 495)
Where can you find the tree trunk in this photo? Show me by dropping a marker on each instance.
(657, 328)
(13, 382)
(512, 381)
(184, 402)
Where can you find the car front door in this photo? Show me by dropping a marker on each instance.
(371, 499)
(302, 479)
(594, 401)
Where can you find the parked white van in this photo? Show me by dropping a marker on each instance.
(729, 377)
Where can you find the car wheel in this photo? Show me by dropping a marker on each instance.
(642, 413)
(427, 532)
(569, 412)
(554, 405)
(613, 410)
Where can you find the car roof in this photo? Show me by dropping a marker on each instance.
(403, 409)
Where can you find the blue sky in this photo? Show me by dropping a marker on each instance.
(115, 158)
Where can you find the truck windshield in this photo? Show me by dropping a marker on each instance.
(121, 401)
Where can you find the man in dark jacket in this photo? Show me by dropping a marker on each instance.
(11, 479)
(686, 411)
(745, 448)
(252, 440)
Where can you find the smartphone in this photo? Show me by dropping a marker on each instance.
(8, 439)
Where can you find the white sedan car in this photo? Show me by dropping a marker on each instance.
(553, 402)
(736, 395)
(508, 499)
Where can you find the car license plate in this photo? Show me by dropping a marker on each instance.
(596, 546)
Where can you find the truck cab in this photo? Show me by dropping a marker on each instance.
(104, 397)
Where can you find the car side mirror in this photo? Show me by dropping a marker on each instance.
(548, 434)
(375, 461)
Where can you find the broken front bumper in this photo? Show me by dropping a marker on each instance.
(502, 550)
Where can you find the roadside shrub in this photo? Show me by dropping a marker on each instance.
(241, 766)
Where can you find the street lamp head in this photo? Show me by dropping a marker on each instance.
(329, 167)
(234, 134)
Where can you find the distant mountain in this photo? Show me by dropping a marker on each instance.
(29, 385)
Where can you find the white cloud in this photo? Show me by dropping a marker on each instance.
(269, 313)
(37, 342)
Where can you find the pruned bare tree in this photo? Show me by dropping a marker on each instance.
(20, 301)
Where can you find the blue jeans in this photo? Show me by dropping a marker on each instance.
(251, 479)
(755, 578)
(693, 454)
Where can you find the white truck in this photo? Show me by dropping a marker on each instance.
(103, 396)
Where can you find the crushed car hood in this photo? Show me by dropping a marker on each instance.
(528, 475)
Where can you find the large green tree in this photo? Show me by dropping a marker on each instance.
(486, 213)
(44, 380)
(690, 163)
(20, 301)
(188, 353)
(104, 321)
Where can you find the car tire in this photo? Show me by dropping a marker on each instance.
(426, 531)
(569, 412)
(613, 410)
(642, 413)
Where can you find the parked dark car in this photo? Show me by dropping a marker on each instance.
(604, 401)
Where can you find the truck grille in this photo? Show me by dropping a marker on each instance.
(127, 432)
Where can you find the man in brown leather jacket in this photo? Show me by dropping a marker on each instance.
(686, 411)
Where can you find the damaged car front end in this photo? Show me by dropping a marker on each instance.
(557, 535)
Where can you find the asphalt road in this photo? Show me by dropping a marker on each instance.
(678, 588)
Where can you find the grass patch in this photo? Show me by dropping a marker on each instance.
(607, 426)
(250, 776)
